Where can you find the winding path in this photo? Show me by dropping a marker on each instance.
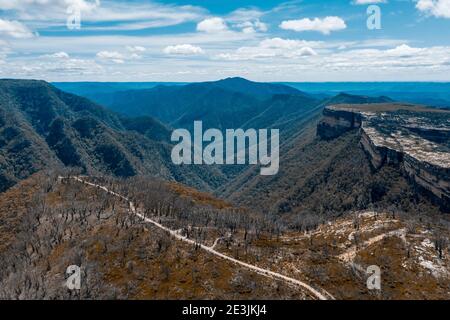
(174, 233)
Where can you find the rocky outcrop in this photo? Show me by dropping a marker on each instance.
(335, 122)
(432, 179)
(411, 138)
(435, 135)
(379, 155)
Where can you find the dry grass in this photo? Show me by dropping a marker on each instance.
(201, 198)
(142, 262)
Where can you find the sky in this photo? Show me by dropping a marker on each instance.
(199, 40)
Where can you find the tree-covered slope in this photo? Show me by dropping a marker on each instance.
(228, 103)
(43, 127)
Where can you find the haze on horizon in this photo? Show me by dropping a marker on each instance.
(193, 40)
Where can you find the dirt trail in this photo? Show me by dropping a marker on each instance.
(350, 254)
(323, 295)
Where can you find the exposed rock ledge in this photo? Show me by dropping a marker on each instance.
(414, 138)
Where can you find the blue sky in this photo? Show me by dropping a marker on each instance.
(193, 40)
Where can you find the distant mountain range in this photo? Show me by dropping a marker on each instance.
(44, 127)
(215, 103)
(436, 94)
(258, 105)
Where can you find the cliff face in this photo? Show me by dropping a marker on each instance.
(414, 139)
(336, 122)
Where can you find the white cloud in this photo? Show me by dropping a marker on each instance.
(214, 24)
(113, 56)
(400, 58)
(252, 26)
(135, 48)
(52, 69)
(90, 45)
(273, 59)
(72, 66)
(248, 20)
(135, 56)
(244, 14)
(136, 52)
(183, 49)
(404, 51)
(365, 2)
(280, 43)
(305, 52)
(395, 63)
(23, 5)
(58, 55)
(111, 15)
(109, 55)
(272, 48)
(14, 29)
(4, 49)
(437, 8)
(379, 43)
(324, 26)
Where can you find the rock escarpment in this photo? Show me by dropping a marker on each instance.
(413, 138)
(336, 122)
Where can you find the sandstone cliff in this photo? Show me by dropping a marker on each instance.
(413, 138)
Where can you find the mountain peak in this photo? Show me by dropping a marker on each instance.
(235, 79)
(262, 90)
